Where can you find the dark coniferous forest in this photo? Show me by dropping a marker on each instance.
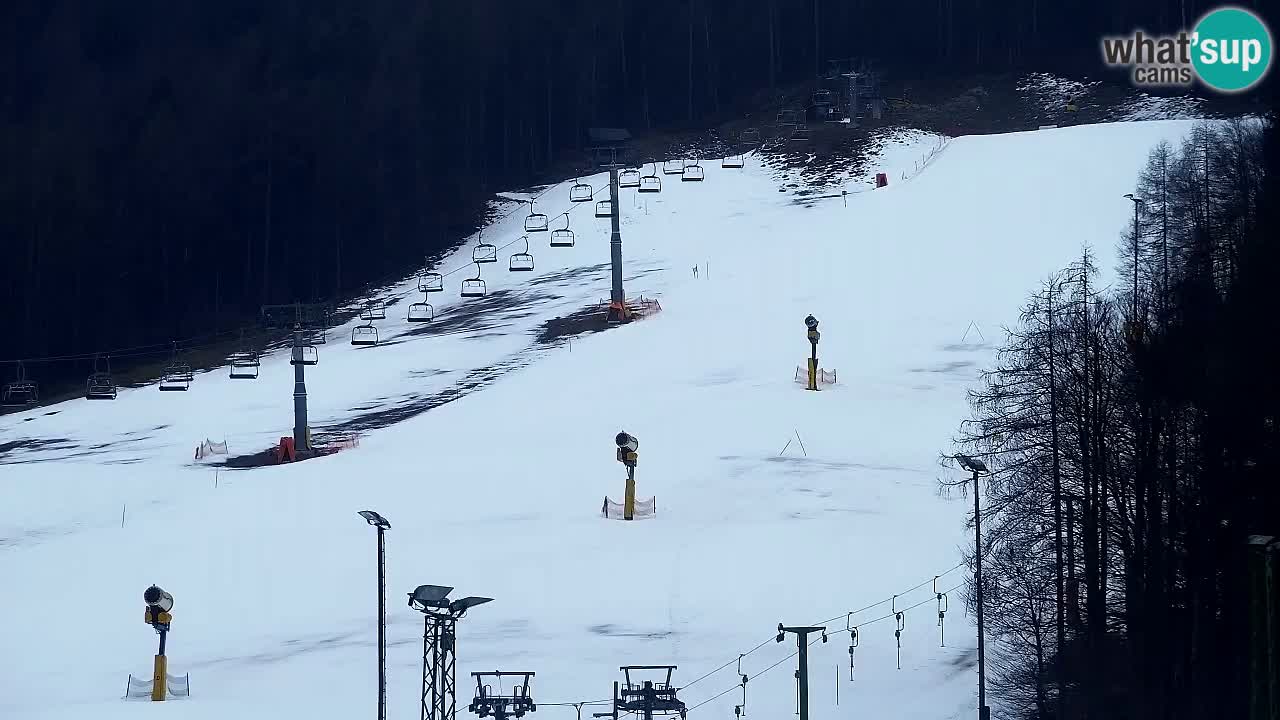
(167, 167)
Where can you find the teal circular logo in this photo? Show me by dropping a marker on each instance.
(1231, 49)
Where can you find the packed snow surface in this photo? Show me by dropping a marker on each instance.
(774, 504)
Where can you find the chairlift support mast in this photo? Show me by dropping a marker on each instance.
(617, 300)
(305, 318)
(646, 698)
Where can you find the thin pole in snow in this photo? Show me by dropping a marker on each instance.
(806, 452)
(784, 447)
(122, 509)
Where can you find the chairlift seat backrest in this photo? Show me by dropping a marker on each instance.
(420, 312)
(485, 253)
(604, 208)
(536, 222)
(473, 287)
(562, 238)
(521, 262)
(580, 192)
(431, 282)
(629, 178)
(673, 167)
(732, 161)
(692, 173)
(650, 184)
(364, 335)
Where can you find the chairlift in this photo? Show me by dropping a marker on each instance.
(473, 287)
(177, 376)
(244, 365)
(373, 310)
(692, 173)
(733, 161)
(822, 97)
(652, 182)
(421, 312)
(629, 178)
(100, 385)
(604, 209)
(673, 167)
(580, 192)
(305, 354)
(800, 134)
(21, 392)
(751, 136)
(484, 252)
(521, 261)
(562, 237)
(364, 335)
(537, 222)
(429, 282)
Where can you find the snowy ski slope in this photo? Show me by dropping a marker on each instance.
(498, 493)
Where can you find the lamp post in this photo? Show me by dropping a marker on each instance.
(441, 615)
(977, 467)
(811, 323)
(382, 525)
(1137, 203)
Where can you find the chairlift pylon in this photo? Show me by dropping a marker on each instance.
(652, 182)
(562, 237)
(580, 192)
(535, 221)
(484, 252)
(629, 178)
(100, 385)
(22, 391)
(521, 261)
(473, 287)
(604, 209)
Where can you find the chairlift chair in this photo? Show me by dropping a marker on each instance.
(751, 136)
(244, 365)
(822, 97)
(673, 167)
(421, 312)
(604, 209)
(364, 335)
(429, 282)
(521, 261)
(21, 391)
(629, 178)
(733, 161)
(562, 237)
(580, 192)
(100, 385)
(473, 287)
(652, 182)
(537, 222)
(484, 252)
(692, 173)
(175, 382)
(800, 134)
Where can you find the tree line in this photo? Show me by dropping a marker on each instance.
(167, 167)
(1132, 434)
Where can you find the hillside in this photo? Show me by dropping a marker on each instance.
(497, 491)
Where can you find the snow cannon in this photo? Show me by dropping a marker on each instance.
(156, 597)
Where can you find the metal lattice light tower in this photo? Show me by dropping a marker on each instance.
(439, 696)
(382, 525)
(977, 467)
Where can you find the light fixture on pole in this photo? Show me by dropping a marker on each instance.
(977, 467)
(382, 525)
(439, 698)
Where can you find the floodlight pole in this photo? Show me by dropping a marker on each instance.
(617, 300)
(381, 524)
